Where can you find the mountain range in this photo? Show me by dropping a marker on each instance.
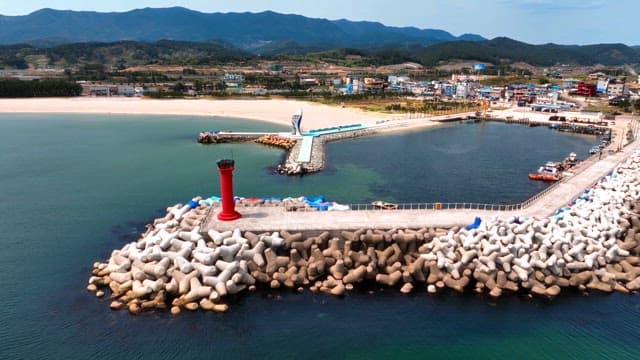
(249, 31)
(181, 36)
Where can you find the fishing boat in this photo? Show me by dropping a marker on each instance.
(548, 172)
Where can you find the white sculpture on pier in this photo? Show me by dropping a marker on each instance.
(296, 120)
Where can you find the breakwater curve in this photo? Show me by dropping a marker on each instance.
(183, 262)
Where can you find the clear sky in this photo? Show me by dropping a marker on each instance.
(532, 21)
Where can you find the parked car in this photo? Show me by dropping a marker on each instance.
(615, 101)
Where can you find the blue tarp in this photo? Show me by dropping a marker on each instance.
(322, 206)
(476, 223)
(314, 200)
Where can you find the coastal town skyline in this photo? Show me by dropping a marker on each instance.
(532, 21)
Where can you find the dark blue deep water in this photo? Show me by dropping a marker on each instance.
(74, 187)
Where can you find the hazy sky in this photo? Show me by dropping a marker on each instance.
(532, 21)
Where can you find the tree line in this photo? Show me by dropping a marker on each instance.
(38, 88)
(500, 52)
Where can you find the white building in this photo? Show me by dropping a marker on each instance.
(601, 85)
(617, 89)
(126, 90)
(463, 90)
(233, 80)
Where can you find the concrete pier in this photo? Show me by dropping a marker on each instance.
(261, 219)
(189, 259)
(304, 154)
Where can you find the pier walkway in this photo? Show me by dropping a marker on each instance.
(304, 156)
(261, 219)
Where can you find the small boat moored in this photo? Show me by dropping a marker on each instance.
(384, 205)
(544, 177)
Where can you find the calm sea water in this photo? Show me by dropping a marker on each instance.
(73, 188)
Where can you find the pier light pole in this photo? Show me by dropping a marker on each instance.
(228, 212)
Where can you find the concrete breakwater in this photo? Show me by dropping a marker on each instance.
(206, 137)
(592, 245)
(292, 166)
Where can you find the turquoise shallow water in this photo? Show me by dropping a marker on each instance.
(72, 188)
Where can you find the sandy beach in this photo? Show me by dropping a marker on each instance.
(277, 111)
(274, 111)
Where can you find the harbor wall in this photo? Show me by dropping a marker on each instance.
(592, 246)
(581, 128)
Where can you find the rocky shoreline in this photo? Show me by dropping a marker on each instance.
(592, 244)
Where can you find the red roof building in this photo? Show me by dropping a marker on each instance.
(585, 89)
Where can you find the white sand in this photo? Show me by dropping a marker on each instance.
(274, 111)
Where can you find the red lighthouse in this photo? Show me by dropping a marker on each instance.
(228, 213)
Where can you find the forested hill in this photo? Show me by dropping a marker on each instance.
(507, 50)
(244, 30)
(122, 54)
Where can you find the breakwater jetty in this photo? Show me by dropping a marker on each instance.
(188, 260)
(575, 127)
(305, 152)
(599, 128)
(312, 159)
(220, 137)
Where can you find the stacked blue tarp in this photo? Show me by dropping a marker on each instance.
(318, 202)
